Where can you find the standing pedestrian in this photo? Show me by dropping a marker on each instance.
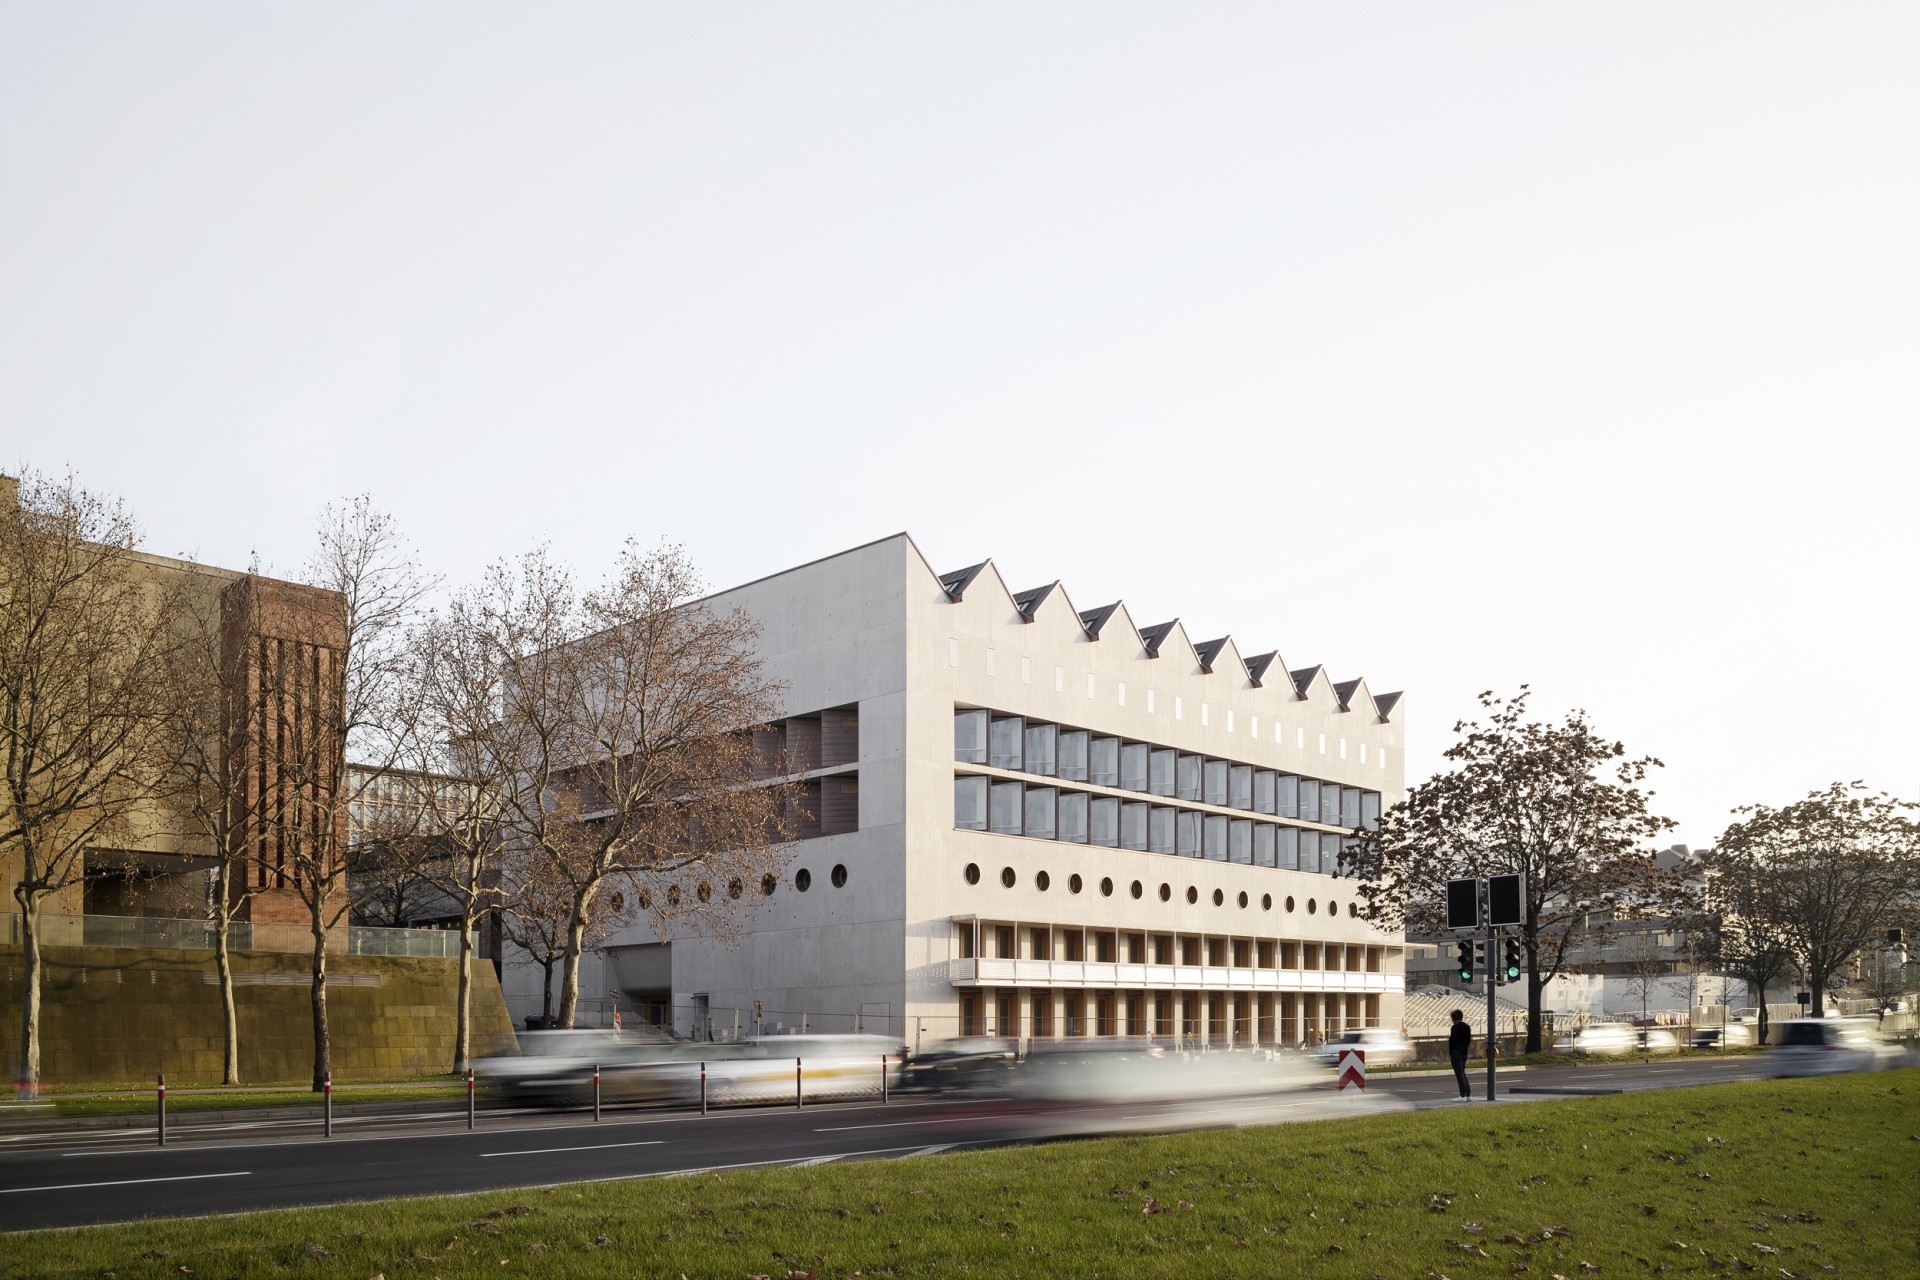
(1459, 1042)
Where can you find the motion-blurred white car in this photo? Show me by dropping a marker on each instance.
(1384, 1047)
(1829, 1046)
(830, 1066)
(1604, 1037)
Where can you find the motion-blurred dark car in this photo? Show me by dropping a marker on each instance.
(970, 1064)
(1733, 1035)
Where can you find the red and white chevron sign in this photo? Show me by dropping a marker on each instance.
(1353, 1068)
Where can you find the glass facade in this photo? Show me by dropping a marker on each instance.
(1073, 816)
(1103, 821)
(1003, 742)
(1214, 787)
(970, 803)
(1040, 813)
(1073, 756)
(1047, 812)
(1003, 808)
(1041, 741)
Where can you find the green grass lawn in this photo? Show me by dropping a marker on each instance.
(1797, 1177)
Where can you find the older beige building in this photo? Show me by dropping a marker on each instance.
(1035, 819)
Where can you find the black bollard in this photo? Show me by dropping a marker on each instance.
(796, 1084)
(703, 1088)
(596, 1093)
(326, 1105)
(162, 1104)
(469, 1097)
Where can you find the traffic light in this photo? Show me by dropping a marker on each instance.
(1511, 969)
(1464, 950)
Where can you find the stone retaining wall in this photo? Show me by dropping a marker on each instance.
(112, 1015)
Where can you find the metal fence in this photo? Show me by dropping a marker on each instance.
(165, 933)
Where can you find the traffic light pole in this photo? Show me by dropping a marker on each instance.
(1493, 1039)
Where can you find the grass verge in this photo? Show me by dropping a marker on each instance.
(1795, 1177)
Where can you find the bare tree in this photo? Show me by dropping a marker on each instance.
(354, 703)
(210, 789)
(540, 921)
(476, 741)
(83, 646)
(1823, 876)
(1643, 965)
(1558, 804)
(626, 725)
(1737, 928)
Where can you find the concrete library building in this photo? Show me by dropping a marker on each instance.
(1038, 821)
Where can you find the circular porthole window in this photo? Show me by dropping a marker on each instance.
(1289, 904)
(803, 879)
(736, 887)
(1007, 877)
(1243, 899)
(673, 893)
(1137, 889)
(1333, 908)
(768, 883)
(1266, 902)
(1106, 886)
(1073, 883)
(973, 873)
(1313, 906)
(1353, 911)
(618, 901)
(1166, 892)
(705, 891)
(1219, 898)
(1193, 895)
(1042, 881)
(646, 900)
(839, 877)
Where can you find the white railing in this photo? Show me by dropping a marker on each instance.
(165, 933)
(989, 972)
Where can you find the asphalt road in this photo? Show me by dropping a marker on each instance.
(73, 1176)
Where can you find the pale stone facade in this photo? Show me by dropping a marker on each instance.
(908, 926)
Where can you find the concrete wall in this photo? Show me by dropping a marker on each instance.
(873, 627)
(119, 1015)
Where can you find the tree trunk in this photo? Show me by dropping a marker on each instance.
(322, 1043)
(1536, 993)
(223, 966)
(546, 992)
(1816, 989)
(570, 969)
(29, 1082)
(462, 1024)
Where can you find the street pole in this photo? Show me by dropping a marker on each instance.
(1493, 1036)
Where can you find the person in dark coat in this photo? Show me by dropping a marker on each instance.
(1459, 1042)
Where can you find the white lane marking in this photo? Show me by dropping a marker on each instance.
(547, 1151)
(803, 1164)
(897, 1124)
(127, 1182)
(933, 1150)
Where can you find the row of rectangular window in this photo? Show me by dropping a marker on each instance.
(1003, 943)
(1050, 813)
(1075, 755)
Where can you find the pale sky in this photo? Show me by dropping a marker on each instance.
(1452, 346)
